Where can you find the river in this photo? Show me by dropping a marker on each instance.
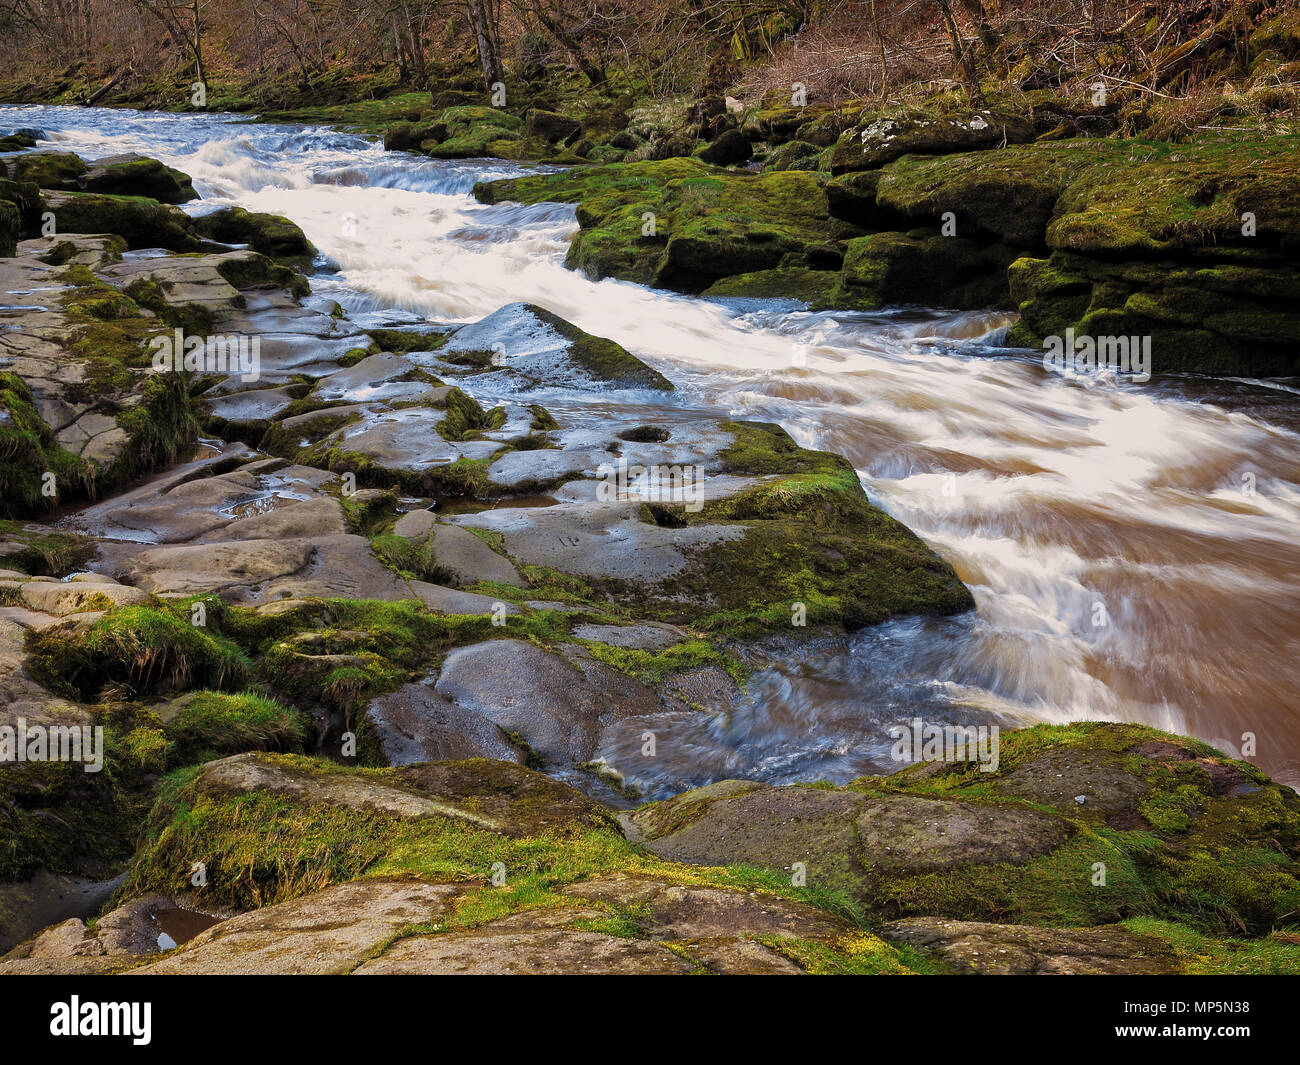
(1133, 550)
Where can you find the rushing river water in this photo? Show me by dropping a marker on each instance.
(1060, 502)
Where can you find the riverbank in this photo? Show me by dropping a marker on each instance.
(323, 583)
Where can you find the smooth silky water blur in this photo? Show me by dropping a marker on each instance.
(1048, 495)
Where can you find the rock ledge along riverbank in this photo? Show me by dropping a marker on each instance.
(360, 644)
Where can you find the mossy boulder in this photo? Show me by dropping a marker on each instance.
(793, 155)
(137, 175)
(479, 142)
(1008, 195)
(443, 818)
(881, 140)
(814, 287)
(1235, 318)
(852, 198)
(472, 132)
(410, 136)
(49, 170)
(730, 148)
(18, 141)
(550, 126)
(775, 124)
(474, 865)
(812, 538)
(1077, 825)
(1155, 199)
(462, 119)
(926, 268)
(142, 223)
(680, 224)
(272, 235)
(1192, 245)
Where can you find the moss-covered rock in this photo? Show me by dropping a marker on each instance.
(680, 224)
(730, 148)
(518, 872)
(49, 170)
(470, 132)
(811, 538)
(142, 223)
(1228, 317)
(794, 155)
(410, 136)
(814, 287)
(137, 175)
(1192, 245)
(882, 139)
(1166, 826)
(272, 235)
(550, 126)
(18, 141)
(482, 141)
(923, 267)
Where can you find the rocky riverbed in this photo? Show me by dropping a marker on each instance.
(372, 630)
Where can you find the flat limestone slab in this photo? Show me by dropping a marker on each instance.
(469, 559)
(330, 931)
(416, 724)
(599, 539)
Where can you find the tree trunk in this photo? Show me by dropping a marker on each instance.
(880, 39)
(989, 41)
(485, 40)
(965, 61)
(198, 47)
(593, 72)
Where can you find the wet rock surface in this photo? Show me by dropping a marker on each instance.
(362, 593)
(1014, 950)
(675, 887)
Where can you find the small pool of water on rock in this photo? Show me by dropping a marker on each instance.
(178, 926)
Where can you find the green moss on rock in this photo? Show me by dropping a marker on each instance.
(274, 236)
(707, 223)
(210, 724)
(141, 648)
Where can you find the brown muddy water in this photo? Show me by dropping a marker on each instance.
(178, 926)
